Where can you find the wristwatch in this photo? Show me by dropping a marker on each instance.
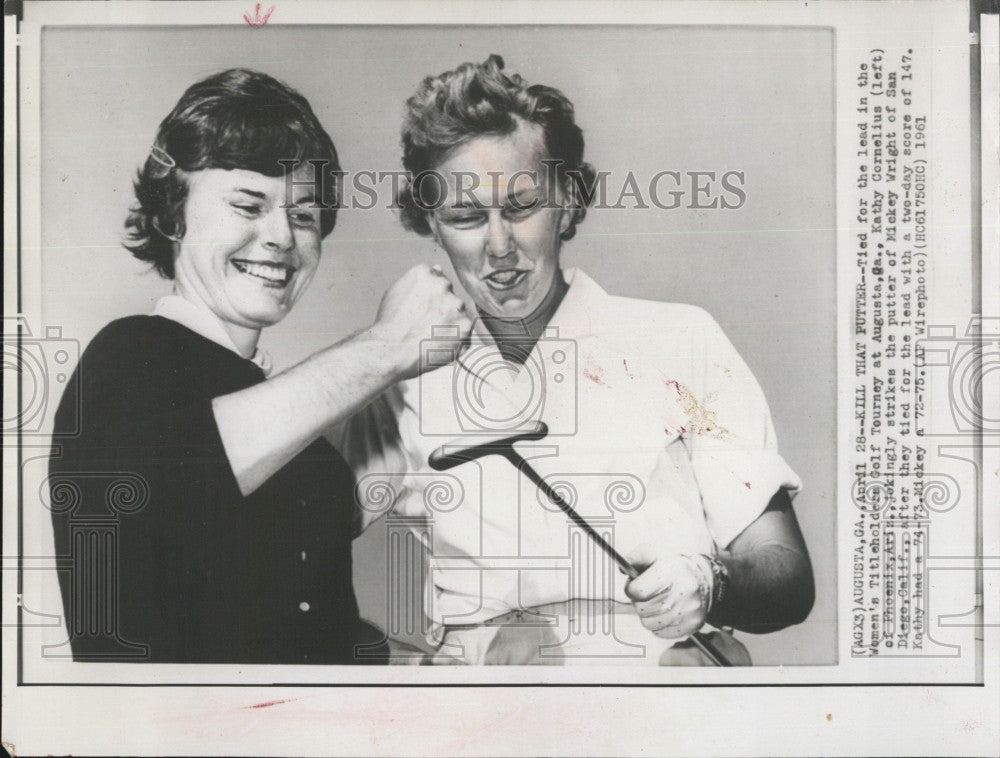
(720, 581)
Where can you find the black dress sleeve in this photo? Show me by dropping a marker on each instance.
(187, 569)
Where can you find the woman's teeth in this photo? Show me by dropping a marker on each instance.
(269, 272)
(505, 278)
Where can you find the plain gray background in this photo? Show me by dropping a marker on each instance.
(649, 99)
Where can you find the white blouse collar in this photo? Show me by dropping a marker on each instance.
(202, 321)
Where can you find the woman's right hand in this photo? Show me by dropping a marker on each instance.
(420, 306)
(266, 425)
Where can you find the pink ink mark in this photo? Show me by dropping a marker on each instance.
(747, 485)
(269, 703)
(594, 373)
(258, 19)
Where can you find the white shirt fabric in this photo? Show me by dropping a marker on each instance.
(202, 321)
(659, 436)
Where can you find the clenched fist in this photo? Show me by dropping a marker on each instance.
(673, 594)
(419, 306)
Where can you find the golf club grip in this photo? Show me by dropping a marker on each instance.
(449, 456)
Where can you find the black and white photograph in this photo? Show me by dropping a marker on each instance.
(357, 354)
(619, 235)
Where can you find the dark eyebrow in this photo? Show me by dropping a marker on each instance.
(463, 206)
(526, 188)
(252, 193)
(479, 206)
(522, 192)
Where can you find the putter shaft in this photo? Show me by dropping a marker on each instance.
(442, 460)
(699, 639)
(529, 471)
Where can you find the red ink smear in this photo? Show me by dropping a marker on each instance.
(258, 19)
(625, 364)
(269, 703)
(595, 374)
(746, 484)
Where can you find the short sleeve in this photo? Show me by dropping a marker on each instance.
(734, 447)
(139, 414)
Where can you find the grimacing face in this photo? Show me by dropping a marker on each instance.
(502, 236)
(243, 256)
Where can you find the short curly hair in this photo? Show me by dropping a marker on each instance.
(477, 100)
(236, 119)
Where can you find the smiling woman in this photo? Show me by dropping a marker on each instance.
(244, 255)
(236, 546)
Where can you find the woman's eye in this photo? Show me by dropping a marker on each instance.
(522, 210)
(465, 221)
(303, 219)
(247, 209)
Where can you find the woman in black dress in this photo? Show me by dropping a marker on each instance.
(206, 518)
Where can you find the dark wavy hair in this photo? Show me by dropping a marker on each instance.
(236, 119)
(479, 99)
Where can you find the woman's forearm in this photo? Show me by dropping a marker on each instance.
(768, 590)
(770, 580)
(263, 427)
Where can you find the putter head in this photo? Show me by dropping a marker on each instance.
(451, 455)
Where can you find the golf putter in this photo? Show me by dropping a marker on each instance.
(447, 457)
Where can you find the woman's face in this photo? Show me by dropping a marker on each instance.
(503, 235)
(242, 255)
